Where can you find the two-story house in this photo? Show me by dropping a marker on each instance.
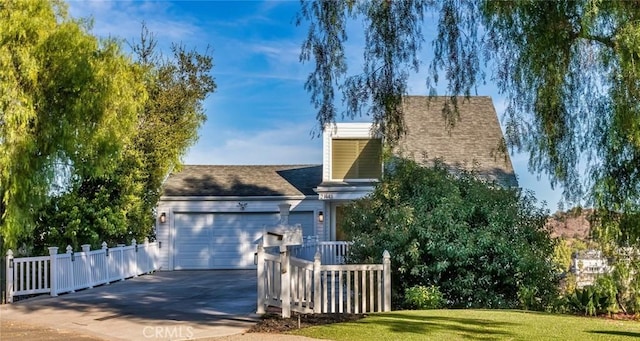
(210, 217)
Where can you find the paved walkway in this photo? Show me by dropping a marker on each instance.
(13, 330)
(162, 306)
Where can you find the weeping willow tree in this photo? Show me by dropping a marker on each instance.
(67, 104)
(569, 71)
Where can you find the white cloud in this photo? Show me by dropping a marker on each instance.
(281, 52)
(283, 144)
(123, 19)
(259, 58)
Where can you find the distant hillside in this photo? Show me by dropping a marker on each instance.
(573, 224)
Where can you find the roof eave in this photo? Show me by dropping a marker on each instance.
(237, 197)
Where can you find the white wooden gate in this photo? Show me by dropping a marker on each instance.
(309, 287)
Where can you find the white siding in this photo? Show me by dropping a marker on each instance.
(163, 237)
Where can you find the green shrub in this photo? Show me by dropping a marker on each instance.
(607, 287)
(479, 243)
(421, 297)
(528, 297)
(623, 285)
(590, 301)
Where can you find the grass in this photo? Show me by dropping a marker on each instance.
(452, 325)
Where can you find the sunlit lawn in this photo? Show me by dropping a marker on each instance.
(476, 325)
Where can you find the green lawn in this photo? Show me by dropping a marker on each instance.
(476, 325)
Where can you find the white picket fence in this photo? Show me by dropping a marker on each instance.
(309, 287)
(332, 252)
(71, 271)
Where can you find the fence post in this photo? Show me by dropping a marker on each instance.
(121, 263)
(106, 262)
(147, 256)
(9, 268)
(285, 283)
(53, 270)
(86, 248)
(71, 267)
(135, 258)
(386, 273)
(261, 280)
(156, 253)
(317, 290)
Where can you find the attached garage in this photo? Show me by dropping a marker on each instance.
(215, 215)
(224, 240)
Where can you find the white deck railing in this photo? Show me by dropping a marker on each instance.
(310, 287)
(67, 272)
(332, 252)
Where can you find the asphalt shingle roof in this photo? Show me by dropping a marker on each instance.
(472, 143)
(269, 180)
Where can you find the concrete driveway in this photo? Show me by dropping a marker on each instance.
(161, 306)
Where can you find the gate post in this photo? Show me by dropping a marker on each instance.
(285, 282)
(9, 276)
(317, 290)
(386, 273)
(261, 279)
(53, 270)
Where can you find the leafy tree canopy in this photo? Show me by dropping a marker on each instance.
(119, 206)
(88, 132)
(457, 233)
(569, 71)
(67, 104)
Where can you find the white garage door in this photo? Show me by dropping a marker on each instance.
(224, 240)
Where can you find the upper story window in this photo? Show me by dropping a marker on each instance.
(356, 158)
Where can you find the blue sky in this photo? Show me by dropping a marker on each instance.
(260, 112)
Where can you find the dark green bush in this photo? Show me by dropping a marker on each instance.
(482, 245)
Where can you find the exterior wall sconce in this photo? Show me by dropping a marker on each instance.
(163, 218)
(320, 217)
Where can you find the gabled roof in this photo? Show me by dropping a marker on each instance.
(474, 142)
(269, 180)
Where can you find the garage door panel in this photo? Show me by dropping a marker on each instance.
(200, 239)
(193, 219)
(223, 232)
(191, 258)
(240, 238)
(192, 241)
(231, 261)
(227, 247)
(247, 232)
(193, 233)
(230, 254)
(193, 263)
